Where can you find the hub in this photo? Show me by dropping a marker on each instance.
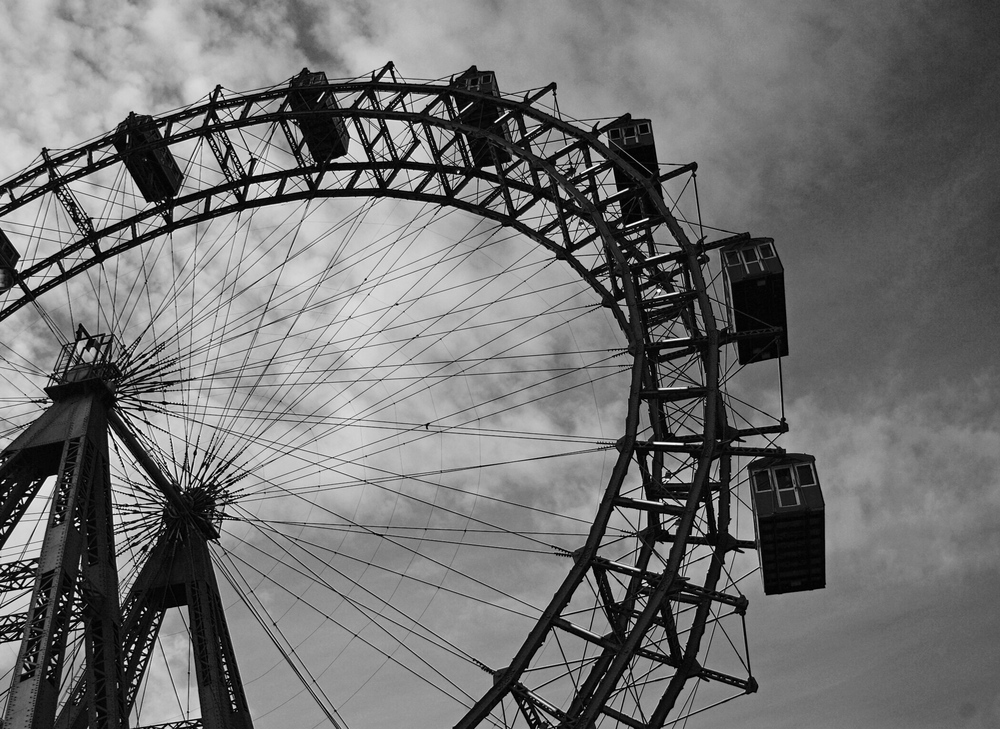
(195, 512)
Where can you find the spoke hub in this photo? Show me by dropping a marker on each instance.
(195, 513)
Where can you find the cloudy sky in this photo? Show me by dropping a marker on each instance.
(860, 136)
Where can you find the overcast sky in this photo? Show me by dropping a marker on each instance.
(861, 136)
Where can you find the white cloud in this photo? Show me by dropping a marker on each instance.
(912, 486)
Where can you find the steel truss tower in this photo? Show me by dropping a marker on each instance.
(75, 578)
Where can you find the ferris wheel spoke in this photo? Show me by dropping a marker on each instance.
(432, 505)
(372, 618)
(309, 682)
(284, 543)
(314, 548)
(556, 376)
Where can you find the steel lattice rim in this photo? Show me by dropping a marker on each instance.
(588, 232)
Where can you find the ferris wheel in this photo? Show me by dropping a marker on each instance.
(343, 402)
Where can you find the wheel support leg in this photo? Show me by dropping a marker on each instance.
(77, 559)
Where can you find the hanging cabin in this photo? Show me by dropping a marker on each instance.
(8, 262)
(147, 160)
(482, 114)
(789, 519)
(633, 139)
(757, 291)
(325, 135)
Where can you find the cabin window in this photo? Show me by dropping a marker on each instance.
(751, 258)
(804, 471)
(478, 83)
(753, 262)
(785, 481)
(614, 134)
(644, 129)
(787, 492)
(783, 477)
(475, 83)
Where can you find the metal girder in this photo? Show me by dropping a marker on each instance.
(18, 575)
(75, 580)
(12, 627)
(296, 148)
(178, 573)
(223, 150)
(223, 700)
(77, 563)
(83, 222)
(20, 481)
(167, 486)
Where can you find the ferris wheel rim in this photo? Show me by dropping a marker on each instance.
(629, 323)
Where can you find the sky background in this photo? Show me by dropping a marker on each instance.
(860, 136)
